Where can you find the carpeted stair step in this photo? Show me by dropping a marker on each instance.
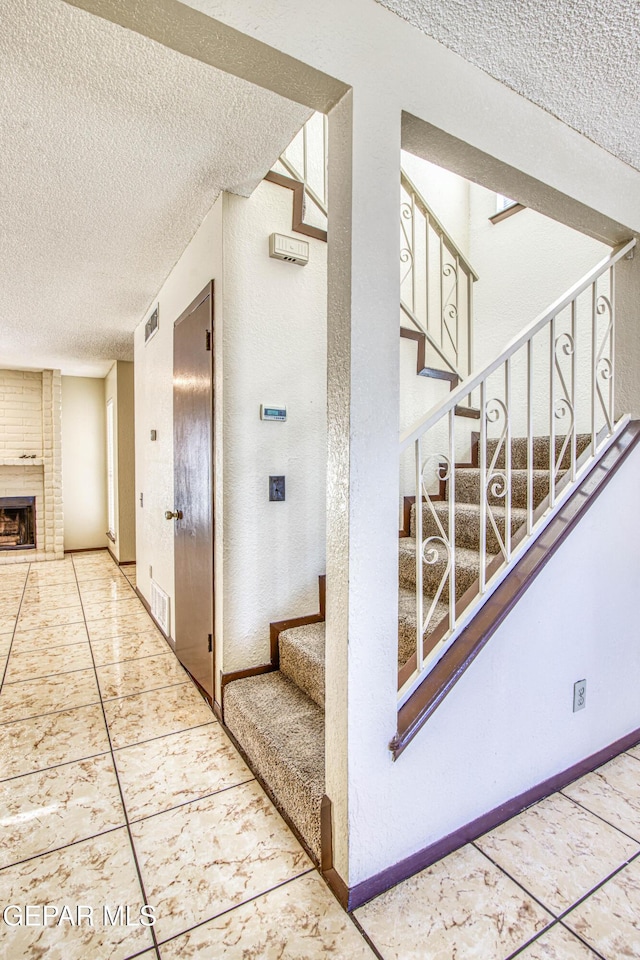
(468, 487)
(540, 451)
(467, 523)
(281, 731)
(302, 658)
(467, 569)
(407, 622)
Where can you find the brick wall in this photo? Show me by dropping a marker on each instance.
(30, 423)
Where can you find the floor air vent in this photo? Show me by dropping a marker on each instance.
(160, 607)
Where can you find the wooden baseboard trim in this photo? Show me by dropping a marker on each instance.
(127, 563)
(298, 224)
(243, 674)
(275, 629)
(363, 892)
(86, 550)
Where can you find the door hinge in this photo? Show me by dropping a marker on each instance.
(207, 339)
(210, 643)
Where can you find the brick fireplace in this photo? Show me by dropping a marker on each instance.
(31, 462)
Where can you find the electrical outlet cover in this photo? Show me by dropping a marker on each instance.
(579, 695)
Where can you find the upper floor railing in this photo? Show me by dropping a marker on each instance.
(305, 159)
(436, 284)
(552, 385)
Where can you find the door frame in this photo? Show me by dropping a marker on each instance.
(207, 291)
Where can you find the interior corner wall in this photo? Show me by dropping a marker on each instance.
(153, 368)
(84, 462)
(119, 388)
(126, 463)
(275, 347)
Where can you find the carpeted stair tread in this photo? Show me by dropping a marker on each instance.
(468, 523)
(467, 568)
(468, 487)
(281, 731)
(540, 448)
(302, 658)
(407, 622)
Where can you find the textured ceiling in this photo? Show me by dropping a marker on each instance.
(578, 59)
(113, 150)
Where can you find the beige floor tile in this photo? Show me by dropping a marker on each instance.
(97, 872)
(155, 714)
(299, 921)
(609, 919)
(613, 793)
(11, 596)
(44, 741)
(557, 850)
(46, 810)
(202, 858)
(635, 752)
(464, 906)
(50, 618)
(60, 692)
(147, 643)
(108, 609)
(31, 664)
(137, 676)
(102, 591)
(40, 608)
(5, 644)
(102, 573)
(557, 944)
(7, 624)
(41, 576)
(163, 773)
(119, 624)
(46, 637)
(55, 597)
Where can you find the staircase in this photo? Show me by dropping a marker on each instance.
(278, 717)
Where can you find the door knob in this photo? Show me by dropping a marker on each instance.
(173, 514)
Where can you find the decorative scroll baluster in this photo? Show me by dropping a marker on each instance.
(419, 569)
(529, 437)
(496, 472)
(433, 303)
(483, 486)
(552, 412)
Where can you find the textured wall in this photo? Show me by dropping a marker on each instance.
(84, 462)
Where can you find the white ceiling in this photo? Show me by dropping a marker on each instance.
(113, 150)
(578, 59)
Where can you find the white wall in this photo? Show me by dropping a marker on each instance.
(84, 463)
(379, 808)
(270, 347)
(495, 735)
(274, 346)
(153, 366)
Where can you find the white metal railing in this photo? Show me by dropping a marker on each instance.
(555, 380)
(305, 159)
(436, 284)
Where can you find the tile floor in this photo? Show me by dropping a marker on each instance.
(118, 788)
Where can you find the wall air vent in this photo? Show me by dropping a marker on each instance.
(160, 607)
(151, 326)
(288, 248)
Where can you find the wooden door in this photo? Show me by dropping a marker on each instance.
(193, 394)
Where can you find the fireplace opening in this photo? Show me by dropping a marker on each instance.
(17, 523)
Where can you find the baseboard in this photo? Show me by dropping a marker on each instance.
(86, 550)
(362, 892)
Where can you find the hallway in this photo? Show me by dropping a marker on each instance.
(118, 788)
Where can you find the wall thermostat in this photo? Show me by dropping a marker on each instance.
(271, 412)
